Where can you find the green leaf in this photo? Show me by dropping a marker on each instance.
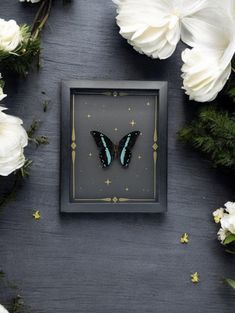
(230, 282)
(229, 239)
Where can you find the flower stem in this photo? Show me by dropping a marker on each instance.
(41, 18)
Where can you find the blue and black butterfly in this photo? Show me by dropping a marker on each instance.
(108, 151)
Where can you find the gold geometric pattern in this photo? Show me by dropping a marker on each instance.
(155, 146)
(132, 123)
(73, 145)
(115, 199)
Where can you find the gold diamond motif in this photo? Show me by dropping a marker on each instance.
(115, 199)
(73, 145)
(155, 146)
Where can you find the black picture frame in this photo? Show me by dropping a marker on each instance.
(68, 147)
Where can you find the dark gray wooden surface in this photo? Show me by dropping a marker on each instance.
(114, 262)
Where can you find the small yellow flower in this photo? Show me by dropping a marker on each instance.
(218, 214)
(37, 215)
(184, 238)
(217, 219)
(195, 278)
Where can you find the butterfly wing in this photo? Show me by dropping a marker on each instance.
(105, 146)
(125, 146)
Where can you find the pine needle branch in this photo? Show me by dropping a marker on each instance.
(213, 133)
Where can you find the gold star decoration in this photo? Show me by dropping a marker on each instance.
(37, 215)
(195, 278)
(132, 123)
(108, 182)
(184, 238)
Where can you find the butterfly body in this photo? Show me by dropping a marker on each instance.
(109, 151)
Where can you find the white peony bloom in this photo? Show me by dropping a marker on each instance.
(155, 27)
(13, 139)
(207, 66)
(32, 1)
(228, 223)
(230, 207)
(222, 234)
(218, 214)
(2, 309)
(204, 75)
(10, 35)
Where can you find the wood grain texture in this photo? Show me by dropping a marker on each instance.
(116, 262)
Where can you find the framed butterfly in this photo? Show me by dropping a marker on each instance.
(108, 151)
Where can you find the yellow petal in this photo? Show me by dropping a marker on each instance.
(184, 238)
(195, 278)
(37, 215)
(217, 219)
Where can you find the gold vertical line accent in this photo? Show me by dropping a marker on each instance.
(73, 146)
(155, 146)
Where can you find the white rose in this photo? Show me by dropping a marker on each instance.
(2, 309)
(204, 75)
(230, 207)
(13, 139)
(10, 35)
(155, 27)
(228, 223)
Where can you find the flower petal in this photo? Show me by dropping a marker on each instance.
(13, 139)
(203, 77)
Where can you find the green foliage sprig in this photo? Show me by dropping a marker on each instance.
(16, 304)
(213, 133)
(230, 282)
(20, 174)
(38, 140)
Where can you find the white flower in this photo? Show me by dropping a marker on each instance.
(204, 75)
(218, 214)
(154, 27)
(228, 223)
(207, 66)
(222, 234)
(10, 35)
(32, 1)
(13, 139)
(230, 207)
(2, 95)
(2, 309)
